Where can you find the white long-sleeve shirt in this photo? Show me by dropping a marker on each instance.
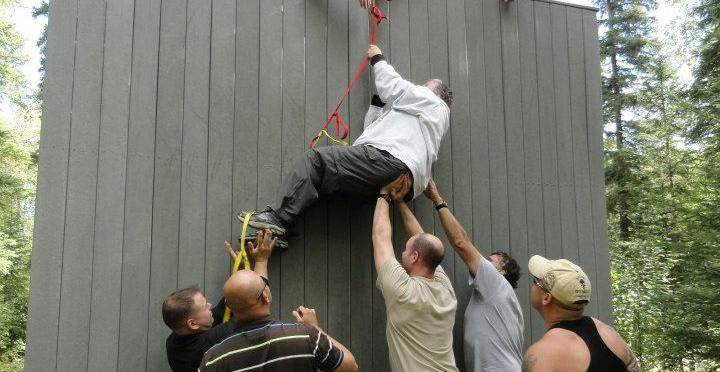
(410, 126)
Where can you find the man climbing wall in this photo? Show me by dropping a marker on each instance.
(402, 132)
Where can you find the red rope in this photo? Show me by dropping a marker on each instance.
(340, 125)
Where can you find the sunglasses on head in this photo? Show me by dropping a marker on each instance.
(266, 284)
(538, 283)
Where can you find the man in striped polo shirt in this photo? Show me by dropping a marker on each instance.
(261, 343)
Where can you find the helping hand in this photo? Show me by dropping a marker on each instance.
(264, 244)
(306, 315)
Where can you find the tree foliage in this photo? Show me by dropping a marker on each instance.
(17, 188)
(663, 186)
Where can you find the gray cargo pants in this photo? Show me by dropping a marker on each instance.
(355, 171)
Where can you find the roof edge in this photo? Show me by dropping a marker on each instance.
(560, 2)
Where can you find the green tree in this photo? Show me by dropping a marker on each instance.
(705, 91)
(623, 48)
(17, 188)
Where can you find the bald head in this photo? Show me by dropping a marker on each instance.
(430, 248)
(242, 290)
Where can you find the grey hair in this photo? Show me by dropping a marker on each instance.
(443, 91)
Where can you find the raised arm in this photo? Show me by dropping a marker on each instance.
(382, 229)
(382, 233)
(374, 111)
(388, 82)
(261, 251)
(456, 234)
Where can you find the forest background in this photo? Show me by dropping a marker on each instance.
(661, 105)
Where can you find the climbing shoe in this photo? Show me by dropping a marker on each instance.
(266, 219)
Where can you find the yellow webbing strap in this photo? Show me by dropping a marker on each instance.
(241, 259)
(324, 133)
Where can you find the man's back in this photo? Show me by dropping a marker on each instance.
(273, 346)
(493, 323)
(421, 315)
(574, 347)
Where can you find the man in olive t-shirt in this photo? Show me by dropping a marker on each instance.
(419, 297)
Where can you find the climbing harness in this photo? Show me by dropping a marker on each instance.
(240, 259)
(342, 130)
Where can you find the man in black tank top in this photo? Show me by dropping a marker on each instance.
(572, 342)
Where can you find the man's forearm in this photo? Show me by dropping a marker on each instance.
(382, 233)
(459, 239)
(411, 224)
(261, 268)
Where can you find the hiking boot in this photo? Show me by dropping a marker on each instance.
(266, 219)
(251, 235)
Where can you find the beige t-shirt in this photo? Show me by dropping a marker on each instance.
(420, 319)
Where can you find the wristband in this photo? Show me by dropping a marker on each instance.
(387, 198)
(441, 206)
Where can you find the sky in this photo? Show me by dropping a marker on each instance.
(31, 29)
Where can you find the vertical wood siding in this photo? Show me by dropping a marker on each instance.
(163, 119)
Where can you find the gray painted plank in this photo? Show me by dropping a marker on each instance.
(168, 161)
(134, 301)
(568, 216)
(245, 133)
(420, 71)
(496, 129)
(533, 158)
(581, 167)
(552, 246)
(338, 310)
(461, 160)
(270, 117)
(109, 215)
(75, 290)
(399, 32)
(442, 169)
(220, 147)
(360, 268)
(513, 99)
(194, 158)
(361, 295)
(316, 111)
(293, 141)
(479, 150)
(47, 251)
(601, 287)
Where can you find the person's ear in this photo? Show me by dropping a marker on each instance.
(547, 298)
(191, 324)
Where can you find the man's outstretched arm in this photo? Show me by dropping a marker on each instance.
(382, 228)
(388, 82)
(382, 233)
(456, 234)
(261, 250)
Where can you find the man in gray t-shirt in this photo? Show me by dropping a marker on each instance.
(493, 318)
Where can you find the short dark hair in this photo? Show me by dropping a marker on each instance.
(178, 305)
(431, 254)
(511, 267)
(444, 92)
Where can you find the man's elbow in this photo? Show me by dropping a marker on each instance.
(462, 244)
(348, 364)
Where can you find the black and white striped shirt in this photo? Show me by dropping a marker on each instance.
(268, 345)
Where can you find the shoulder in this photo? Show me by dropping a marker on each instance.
(613, 340)
(556, 348)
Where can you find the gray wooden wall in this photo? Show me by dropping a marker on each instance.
(162, 119)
